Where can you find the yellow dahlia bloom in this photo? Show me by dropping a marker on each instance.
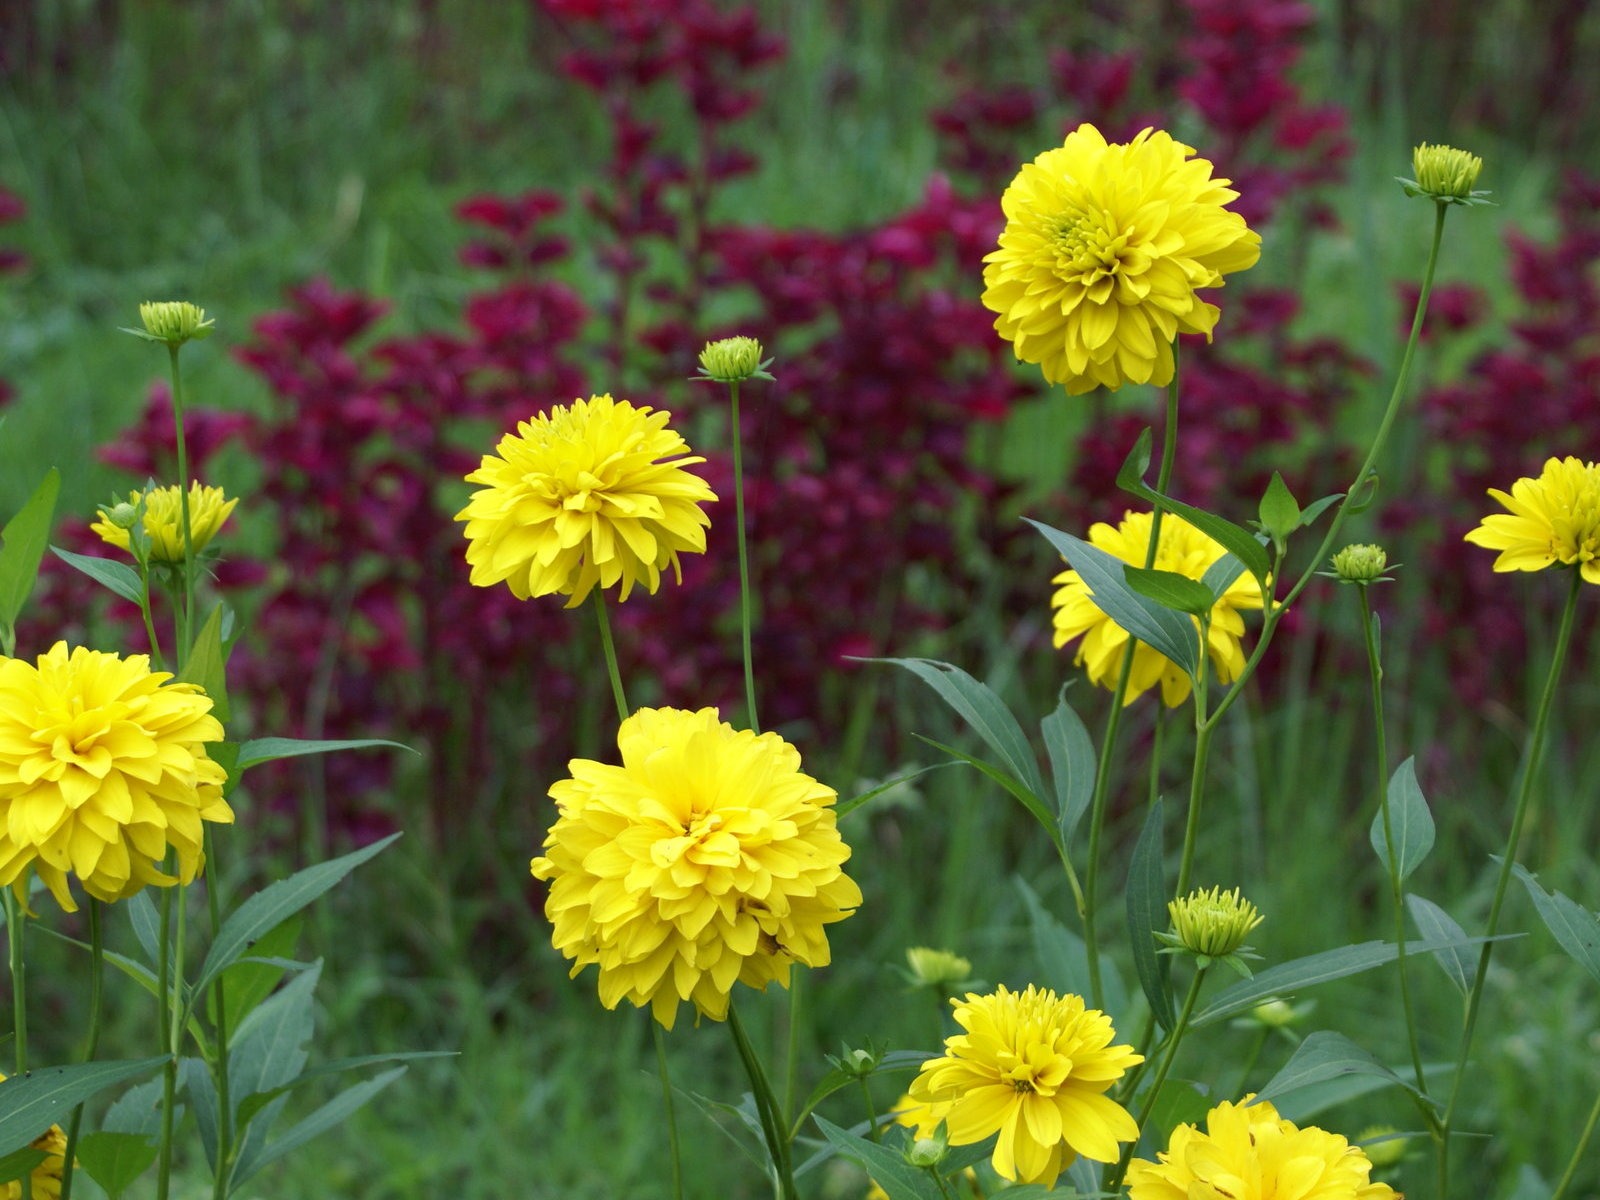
(103, 770)
(707, 857)
(580, 497)
(1184, 550)
(1554, 520)
(46, 1177)
(1248, 1152)
(1032, 1067)
(1103, 250)
(209, 507)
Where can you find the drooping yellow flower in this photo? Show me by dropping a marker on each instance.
(1554, 520)
(1103, 251)
(209, 507)
(1032, 1067)
(580, 497)
(103, 770)
(708, 857)
(1248, 1152)
(46, 1177)
(1184, 550)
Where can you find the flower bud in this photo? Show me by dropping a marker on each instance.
(1211, 923)
(122, 515)
(174, 321)
(1381, 1146)
(1276, 1013)
(927, 1152)
(937, 968)
(1360, 563)
(732, 360)
(1444, 174)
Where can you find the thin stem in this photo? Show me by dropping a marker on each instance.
(1159, 728)
(1577, 1155)
(666, 1105)
(610, 649)
(772, 1123)
(220, 1066)
(1087, 905)
(16, 936)
(1203, 730)
(169, 1070)
(1530, 771)
(184, 645)
(156, 659)
(873, 1131)
(745, 620)
(97, 953)
(791, 1061)
(1369, 635)
(1167, 1058)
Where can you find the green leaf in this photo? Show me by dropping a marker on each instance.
(981, 709)
(1029, 800)
(208, 663)
(1105, 575)
(1572, 925)
(892, 1173)
(31, 1103)
(845, 807)
(1317, 507)
(115, 1160)
(146, 922)
(118, 577)
(1063, 959)
(24, 538)
(1220, 575)
(1147, 916)
(1326, 1055)
(250, 981)
(268, 1051)
(1171, 590)
(1285, 978)
(1279, 511)
(1072, 764)
(137, 1110)
(259, 750)
(1409, 821)
(323, 1119)
(195, 1079)
(1436, 925)
(21, 1162)
(275, 904)
(1180, 1103)
(250, 1105)
(836, 1079)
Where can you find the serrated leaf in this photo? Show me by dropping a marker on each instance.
(1279, 511)
(1005, 779)
(1171, 590)
(1410, 822)
(983, 711)
(207, 664)
(22, 546)
(1147, 916)
(259, 750)
(1072, 764)
(31, 1103)
(1573, 926)
(1436, 925)
(1326, 1055)
(332, 1113)
(275, 904)
(888, 1169)
(115, 1160)
(1171, 633)
(117, 577)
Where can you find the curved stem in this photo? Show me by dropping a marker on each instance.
(772, 1122)
(1577, 1154)
(1530, 771)
(1087, 906)
(1170, 1053)
(97, 955)
(610, 649)
(745, 619)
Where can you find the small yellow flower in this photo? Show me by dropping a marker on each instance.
(707, 858)
(937, 968)
(174, 321)
(103, 771)
(1104, 251)
(1212, 923)
(1361, 564)
(732, 360)
(1444, 172)
(1553, 520)
(46, 1177)
(1032, 1067)
(1184, 550)
(209, 508)
(583, 497)
(1248, 1152)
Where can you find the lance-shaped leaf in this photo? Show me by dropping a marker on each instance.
(1575, 927)
(31, 1103)
(261, 750)
(323, 1119)
(1171, 590)
(1436, 925)
(115, 576)
(115, 1160)
(1147, 916)
(1326, 1055)
(24, 540)
(1410, 822)
(892, 1172)
(1072, 764)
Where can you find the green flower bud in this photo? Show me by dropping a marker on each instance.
(123, 515)
(937, 968)
(1211, 923)
(1380, 1145)
(174, 321)
(1360, 563)
(732, 360)
(1444, 174)
(926, 1152)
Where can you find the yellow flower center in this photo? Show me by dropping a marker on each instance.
(1088, 246)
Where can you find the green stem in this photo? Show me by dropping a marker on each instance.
(1530, 771)
(184, 645)
(745, 620)
(772, 1122)
(220, 1066)
(169, 1070)
(667, 1107)
(1396, 885)
(610, 649)
(1577, 1155)
(873, 1132)
(97, 955)
(1087, 905)
(791, 1061)
(1171, 1053)
(1203, 730)
(156, 659)
(16, 936)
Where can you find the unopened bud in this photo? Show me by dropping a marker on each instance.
(174, 321)
(732, 360)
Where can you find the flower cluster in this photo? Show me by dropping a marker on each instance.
(706, 858)
(162, 520)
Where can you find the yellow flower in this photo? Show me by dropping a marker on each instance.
(579, 497)
(1102, 253)
(1032, 1067)
(103, 770)
(1553, 520)
(46, 1177)
(1183, 550)
(209, 507)
(708, 857)
(1251, 1153)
